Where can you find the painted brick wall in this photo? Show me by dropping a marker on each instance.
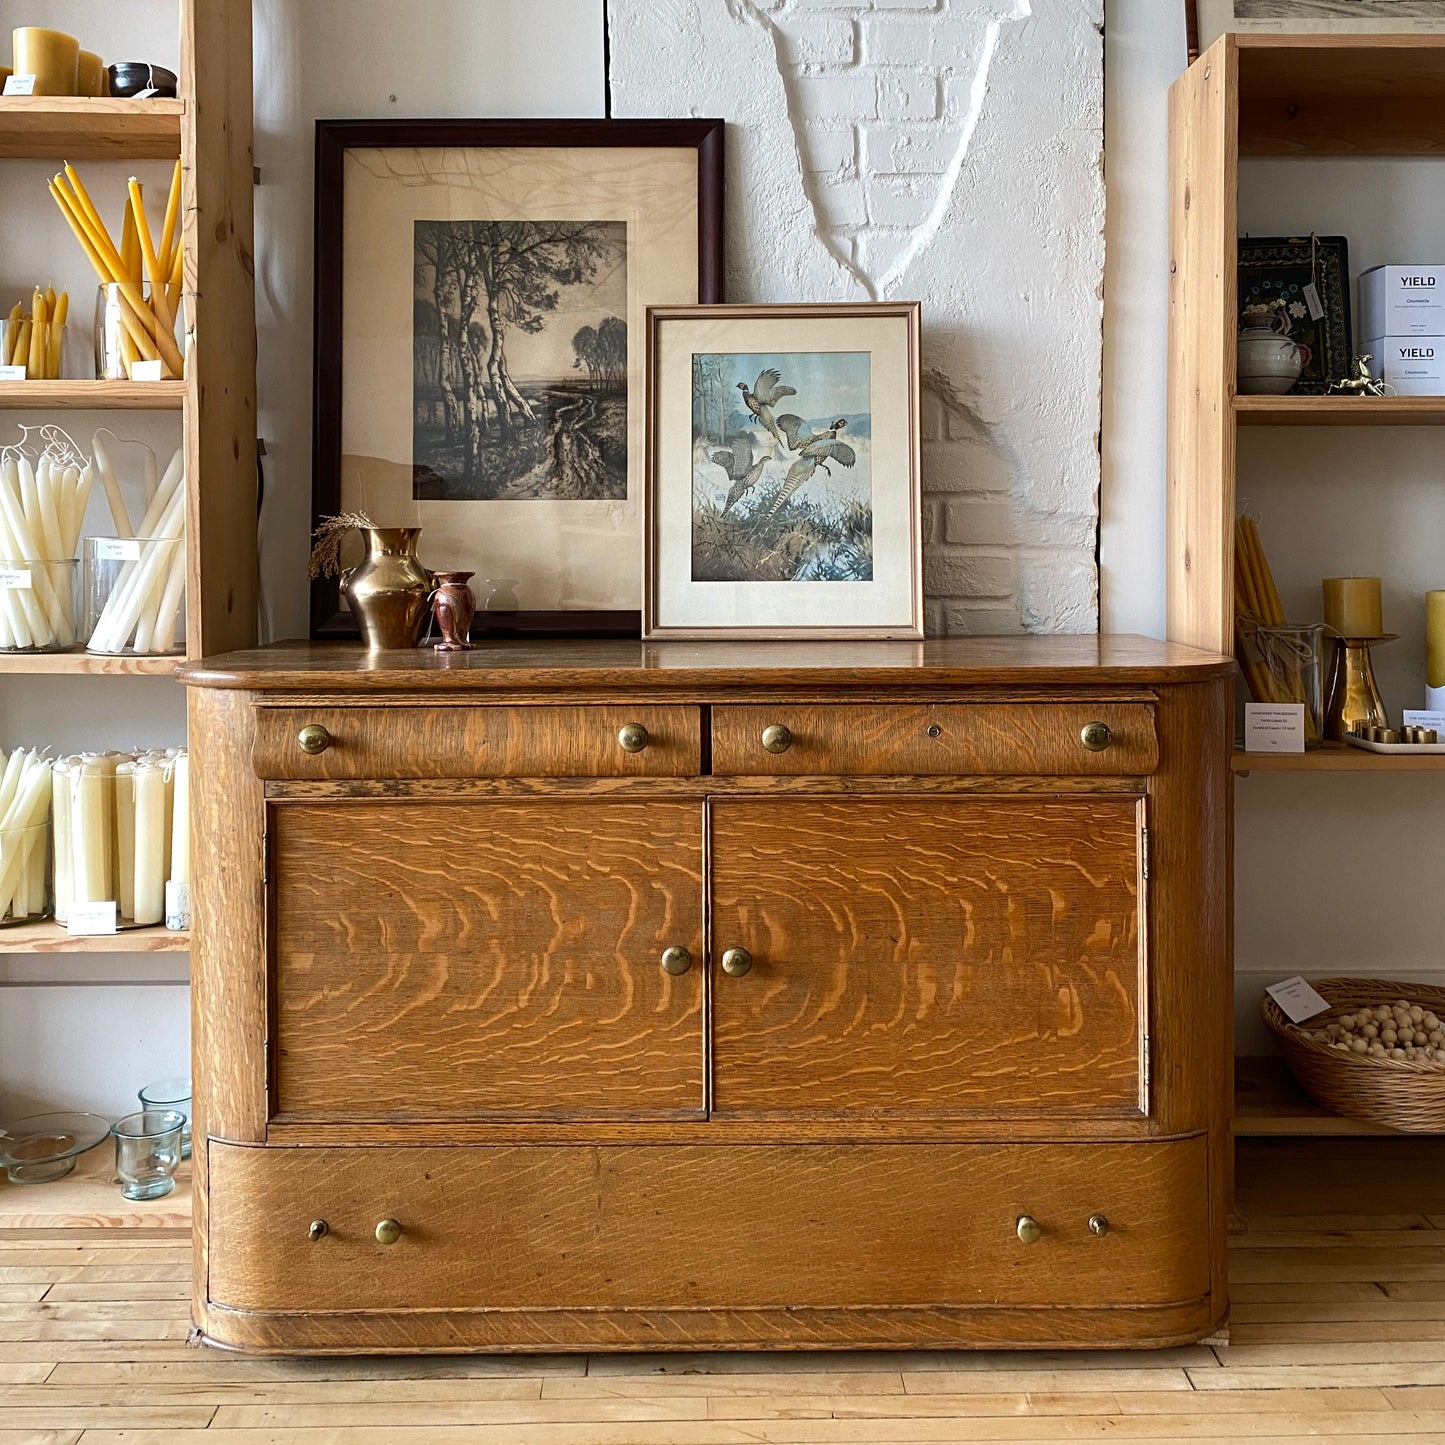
(946, 151)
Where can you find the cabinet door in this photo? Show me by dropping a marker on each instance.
(940, 956)
(486, 958)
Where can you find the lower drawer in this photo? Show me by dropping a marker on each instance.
(629, 1227)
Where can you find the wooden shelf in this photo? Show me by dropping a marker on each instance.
(52, 938)
(73, 129)
(89, 1197)
(85, 664)
(1340, 410)
(1337, 760)
(1268, 1101)
(92, 395)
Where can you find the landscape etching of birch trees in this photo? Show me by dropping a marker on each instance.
(519, 360)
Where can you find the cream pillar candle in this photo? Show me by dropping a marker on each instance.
(150, 844)
(1435, 651)
(1352, 606)
(91, 823)
(181, 821)
(51, 56)
(60, 822)
(125, 838)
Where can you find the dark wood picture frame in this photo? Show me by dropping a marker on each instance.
(1281, 266)
(330, 617)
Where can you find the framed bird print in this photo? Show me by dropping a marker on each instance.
(783, 472)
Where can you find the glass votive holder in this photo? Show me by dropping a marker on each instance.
(25, 891)
(175, 1095)
(39, 605)
(38, 347)
(135, 596)
(137, 327)
(148, 1152)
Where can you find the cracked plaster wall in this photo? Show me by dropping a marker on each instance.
(946, 151)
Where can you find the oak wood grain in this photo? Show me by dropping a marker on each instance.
(944, 956)
(451, 960)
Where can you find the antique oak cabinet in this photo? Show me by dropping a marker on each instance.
(587, 995)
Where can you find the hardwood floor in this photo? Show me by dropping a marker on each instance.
(1337, 1336)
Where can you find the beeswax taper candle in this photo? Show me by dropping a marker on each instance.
(1435, 651)
(1352, 606)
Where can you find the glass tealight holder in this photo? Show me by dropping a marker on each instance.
(138, 331)
(39, 349)
(148, 1152)
(174, 1094)
(39, 605)
(25, 890)
(135, 596)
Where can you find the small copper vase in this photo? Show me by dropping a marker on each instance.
(388, 589)
(453, 606)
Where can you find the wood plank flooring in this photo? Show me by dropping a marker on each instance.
(1337, 1337)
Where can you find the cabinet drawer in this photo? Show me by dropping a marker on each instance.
(961, 738)
(578, 1227)
(477, 742)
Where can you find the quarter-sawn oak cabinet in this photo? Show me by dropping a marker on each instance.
(590, 995)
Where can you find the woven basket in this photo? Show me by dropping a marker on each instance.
(1399, 1092)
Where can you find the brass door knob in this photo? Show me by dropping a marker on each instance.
(1028, 1229)
(676, 961)
(632, 737)
(319, 1229)
(1095, 736)
(313, 739)
(1099, 1224)
(777, 738)
(736, 962)
(388, 1231)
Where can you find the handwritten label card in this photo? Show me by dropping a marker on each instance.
(19, 85)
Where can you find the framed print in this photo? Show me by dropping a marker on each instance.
(481, 293)
(783, 472)
(1308, 279)
(1207, 20)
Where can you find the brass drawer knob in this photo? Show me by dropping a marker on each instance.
(388, 1231)
(319, 1230)
(676, 961)
(1099, 1224)
(1028, 1229)
(736, 962)
(632, 737)
(1096, 736)
(777, 738)
(313, 739)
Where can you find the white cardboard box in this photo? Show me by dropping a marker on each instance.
(1402, 301)
(1413, 365)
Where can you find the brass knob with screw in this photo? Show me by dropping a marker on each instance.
(736, 962)
(1096, 736)
(777, 738)
(1027, 1229)
(388, 1231)
(313, 739)
(1099, 1224)
(632, 737)
(319, 1230)
(676, 961)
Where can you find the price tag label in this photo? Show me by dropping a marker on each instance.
(1311, 294)
(92, 919)
(117, 549)
(1420, 718)
(12, 373)
(147, 371)
(16, 581)
(19, 85)
(1297, 999)
(1274, 727)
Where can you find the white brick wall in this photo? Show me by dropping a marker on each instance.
(946, 151)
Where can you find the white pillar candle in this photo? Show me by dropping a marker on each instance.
(125, 838)
(150, 844)
(91, 823)
(181, 821)
(60, 814)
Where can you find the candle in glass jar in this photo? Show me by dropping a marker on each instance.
(90, 74)
(1435, 651)
(51, 56)
(1352, 606)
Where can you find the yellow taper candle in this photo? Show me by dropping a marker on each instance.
(1352, 606)
(1435, 651)
(51, 56)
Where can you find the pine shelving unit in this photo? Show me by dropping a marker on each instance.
(1269, 95)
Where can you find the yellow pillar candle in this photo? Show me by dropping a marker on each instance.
(1435, 650)
(90, 74)
(51, 56)
(1352, 606)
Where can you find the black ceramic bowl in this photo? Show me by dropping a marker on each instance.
(130, 77)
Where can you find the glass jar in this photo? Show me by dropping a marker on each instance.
(39, 605)
(135, 596)
(138, 331)
(25, 892)
(1290, 666)
(39, 348)
(174, 1094)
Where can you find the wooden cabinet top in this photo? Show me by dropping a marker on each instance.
(624, 665)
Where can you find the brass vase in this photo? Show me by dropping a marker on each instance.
(388, 589)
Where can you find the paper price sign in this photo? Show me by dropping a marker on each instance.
(12, 373)
(117, 549)
(20, 85)
(1297, 999)
(15, 581)
(91, 919)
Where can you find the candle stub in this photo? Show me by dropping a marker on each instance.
(1352, 606)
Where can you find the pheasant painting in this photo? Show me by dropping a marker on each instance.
(742, 469)
(767, 389)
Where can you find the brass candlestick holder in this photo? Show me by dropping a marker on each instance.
(1353, 695)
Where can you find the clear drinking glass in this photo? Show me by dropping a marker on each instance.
(136, 336)
(25, 892)
(148, 1152)
(39, 349)
(135, 592)
(39, 605)
(172, 1094)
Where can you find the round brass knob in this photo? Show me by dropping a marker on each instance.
(632, 737)
(676, 961)
(777, 738)
(319, 1228)
(1099, 1224)
(313, 739)
(1095, 736)
(1028, 1229)
(388, 1231)
(736, 962)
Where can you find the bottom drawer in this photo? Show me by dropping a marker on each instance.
(569, 1227)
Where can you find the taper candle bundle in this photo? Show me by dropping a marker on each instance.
(36, 340)
(25, 789)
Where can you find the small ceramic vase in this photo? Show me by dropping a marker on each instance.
(1269, 361)
(453, 606)
(388, 589)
